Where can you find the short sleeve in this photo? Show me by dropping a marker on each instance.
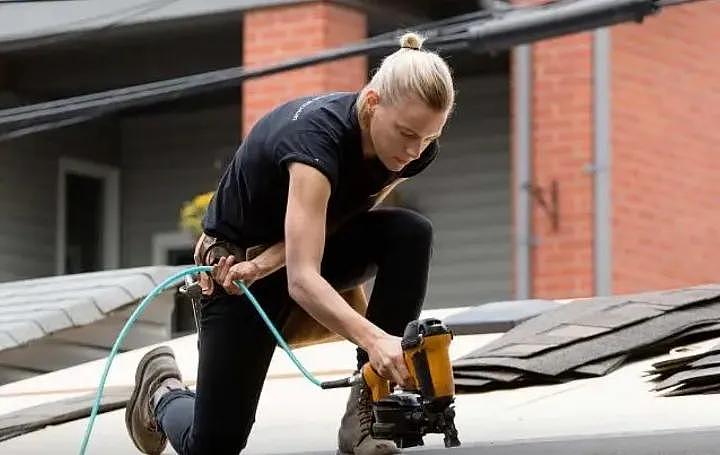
(415, 167)
(313, 148)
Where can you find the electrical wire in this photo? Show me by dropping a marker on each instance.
(481, 31)
(388, 39)
(678, 2)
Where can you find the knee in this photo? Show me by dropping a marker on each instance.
(413, 227)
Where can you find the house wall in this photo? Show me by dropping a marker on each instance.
(277, 34)
(165, 155)
(562, 258)
(166, 160)
(466, 194)
(663, 98)
(28, 192)
(666, 196)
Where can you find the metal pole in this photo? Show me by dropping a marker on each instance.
(602, 162)
(522, 88)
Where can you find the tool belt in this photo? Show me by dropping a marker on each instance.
(299, 328)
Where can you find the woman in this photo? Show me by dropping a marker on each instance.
(300, 189)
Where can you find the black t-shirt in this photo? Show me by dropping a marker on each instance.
(249, 205)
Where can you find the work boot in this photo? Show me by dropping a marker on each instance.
(354, 437)
(156, 374)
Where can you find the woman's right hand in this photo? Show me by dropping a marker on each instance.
(388, 360)
(227, 271)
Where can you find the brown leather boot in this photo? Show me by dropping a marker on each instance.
(155, 371)
(354, 437)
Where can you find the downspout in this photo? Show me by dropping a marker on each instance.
(522, 88)
(602, 163)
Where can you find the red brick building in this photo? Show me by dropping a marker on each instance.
(657, 86)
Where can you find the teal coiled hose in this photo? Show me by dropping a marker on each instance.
(169, 283)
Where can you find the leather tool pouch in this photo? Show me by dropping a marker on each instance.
(299, 329)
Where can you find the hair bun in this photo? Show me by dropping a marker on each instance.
(411, 41)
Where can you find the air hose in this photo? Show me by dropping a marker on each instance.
(165, 285)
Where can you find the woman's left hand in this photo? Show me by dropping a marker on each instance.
(226, 272)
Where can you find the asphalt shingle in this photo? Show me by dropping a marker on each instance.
(592, 337)
(31, 309)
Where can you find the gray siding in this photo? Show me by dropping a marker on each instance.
(466, 193)
(159, 151)
(167, 159)
(28, 192)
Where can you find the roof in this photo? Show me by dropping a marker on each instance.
(23, 21)
(32, 309)
(52, 323)
(617, 413)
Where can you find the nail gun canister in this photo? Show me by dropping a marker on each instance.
(426, 348)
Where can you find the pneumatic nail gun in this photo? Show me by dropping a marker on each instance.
(428, 405)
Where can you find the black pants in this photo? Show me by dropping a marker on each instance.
(236, 347)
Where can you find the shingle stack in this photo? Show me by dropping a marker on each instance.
(696, 372)
(591, 337)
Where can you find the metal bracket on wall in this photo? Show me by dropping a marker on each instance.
(547, 198)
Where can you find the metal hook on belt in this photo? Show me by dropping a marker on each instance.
(193, 291)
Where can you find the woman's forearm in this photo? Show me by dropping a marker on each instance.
(273, 259)
(270, 260)
(325, 305)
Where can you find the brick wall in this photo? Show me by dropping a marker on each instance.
(562, 260)
(280, 33)
(666, 157)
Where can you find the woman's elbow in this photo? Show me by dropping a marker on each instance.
(299, 284)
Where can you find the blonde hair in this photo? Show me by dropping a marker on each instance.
(411, 71)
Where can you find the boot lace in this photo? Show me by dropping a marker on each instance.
(365, 413)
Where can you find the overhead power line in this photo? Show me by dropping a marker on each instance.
(481, 32)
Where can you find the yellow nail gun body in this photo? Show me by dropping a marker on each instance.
(426, 407)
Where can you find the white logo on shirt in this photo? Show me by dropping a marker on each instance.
(308, 102)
